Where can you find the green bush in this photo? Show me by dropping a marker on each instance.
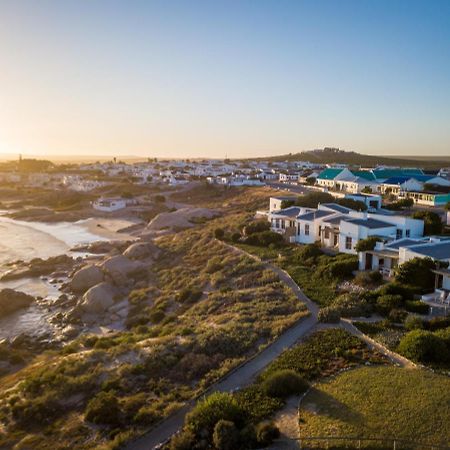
(385, 303)
(432, 222)
(183, 441)
(356, 205)
(283, 383)
(367, 244)
(397, 315)
(256, 227)
(219, 233)
(225, 435)
(235, 237)
(38, 411)
(413, 323)
(312, 199)
(423, 346)
(218, 406)
(416, 306)
(266, 433)
(329, 314)
(367, 279)
(417, 272)
(264, 238)
(103, 409)
(340, 269)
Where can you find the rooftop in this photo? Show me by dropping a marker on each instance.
(370, 223)
(437, 250)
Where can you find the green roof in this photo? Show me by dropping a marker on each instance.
(389, 173)
(329, 174)
(364, 174)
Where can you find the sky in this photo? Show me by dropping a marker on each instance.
(224, 78)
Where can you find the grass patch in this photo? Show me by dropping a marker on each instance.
(380, 402)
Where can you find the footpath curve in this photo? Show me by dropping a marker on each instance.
(243, 374)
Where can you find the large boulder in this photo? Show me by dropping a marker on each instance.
(98, 298)
(142, 250)
(85, 278)
(119, 268)
(11, 300)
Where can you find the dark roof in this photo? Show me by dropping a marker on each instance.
(335, 220)
(438, 250)
(370, 223)
(292, 211)
(336, 207)
(403, 243)
(314, 215)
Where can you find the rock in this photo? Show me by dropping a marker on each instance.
(142, 250)
(98, 298)
(11, 300)
(119, 268)
(85, 278)
(70, 332)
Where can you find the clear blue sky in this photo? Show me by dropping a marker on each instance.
(209, 78)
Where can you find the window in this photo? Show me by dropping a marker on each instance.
(307, 230)
(277, 223)
(408, 233)
(327, 233)
(298, 229)
(348, 243)
(399, 234)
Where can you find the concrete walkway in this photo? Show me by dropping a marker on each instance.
(244, 374)
(371, 343)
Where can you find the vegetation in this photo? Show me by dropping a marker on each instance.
(367, 244)
(379, 402)
(417, 272)
(432, 222)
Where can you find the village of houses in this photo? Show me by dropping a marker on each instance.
(337, 228)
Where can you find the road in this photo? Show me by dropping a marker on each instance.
(294, 188)
(244, 374)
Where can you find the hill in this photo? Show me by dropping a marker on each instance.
(335, 155)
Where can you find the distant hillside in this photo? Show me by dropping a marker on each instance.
(334, 155)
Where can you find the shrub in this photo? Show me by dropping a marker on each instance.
(417, 307)
(266, 433)
(219, 233)
(422, 346)
(329, 314)
(226, 435)
(283, 383)
(413, 323)
(306, 252)
(256, 227)
(103, 409)
(367, 244)
(367, 279)
(202, 419)
(351, 306)
(183, 441)
(340, 269)
(406, 292)
(356, 205)
(312, 199)
(432, 222)
(417, 272)
(156, 316)
(38, 411)
(397, 315)
(387, 302)
(264, 238)
(235, 237)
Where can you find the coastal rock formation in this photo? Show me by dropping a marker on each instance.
(119, 268)
(38, 267)
(142, 250)
(85, 278)
(183, 218)
(11, 300)
(98, 298)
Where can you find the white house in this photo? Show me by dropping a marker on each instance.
(338, 227)
(109, 204)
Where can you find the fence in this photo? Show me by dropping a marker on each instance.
(339, 442)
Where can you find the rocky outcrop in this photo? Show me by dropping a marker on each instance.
(85, 278)
(38, 267)
(119, 269)
(98, 298)
(142, 250)
(11, 300)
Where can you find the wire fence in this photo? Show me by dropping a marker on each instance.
(341, 443)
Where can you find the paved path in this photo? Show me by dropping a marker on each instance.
(244, 374)
(394, 357)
